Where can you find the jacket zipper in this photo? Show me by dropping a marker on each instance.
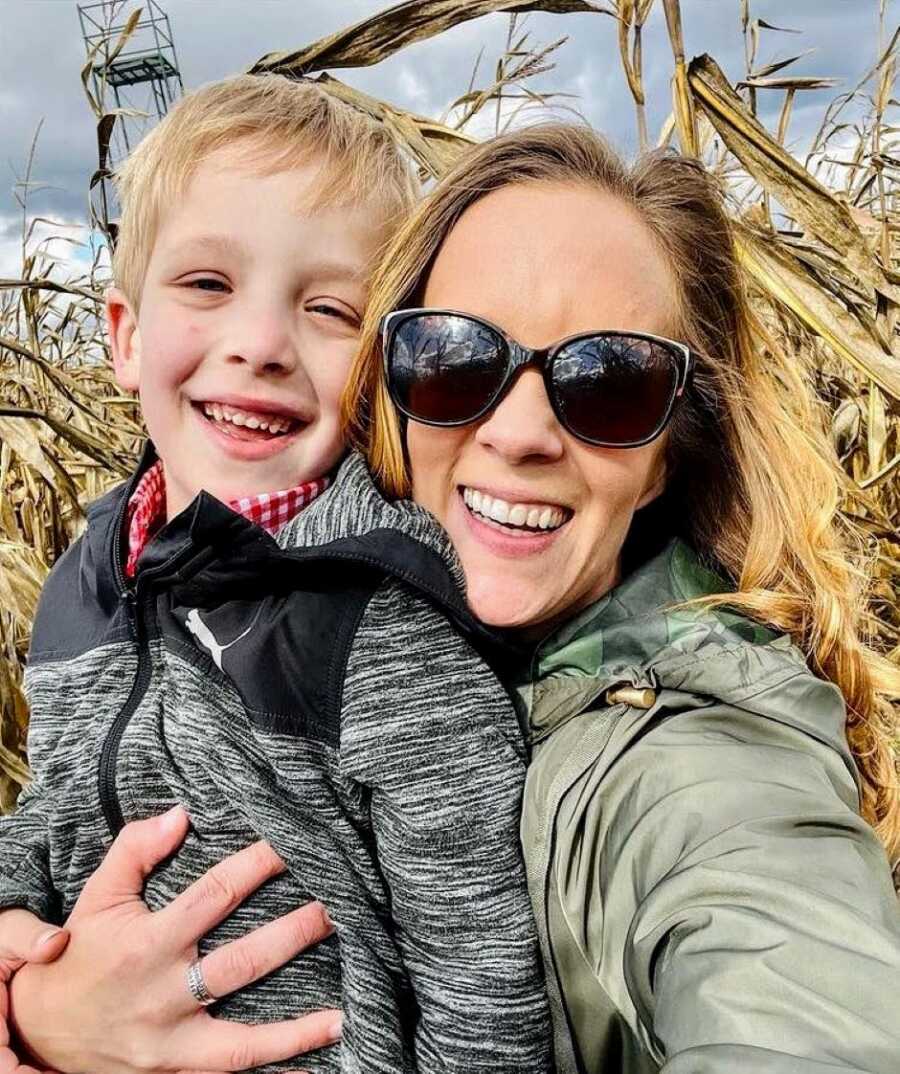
(137, 614)
(109, 800)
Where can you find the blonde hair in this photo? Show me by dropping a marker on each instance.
(758, 485)
(276, 124)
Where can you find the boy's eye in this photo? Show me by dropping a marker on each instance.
(329, 309)
(207, 283)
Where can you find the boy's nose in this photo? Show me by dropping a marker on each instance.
(266, 346)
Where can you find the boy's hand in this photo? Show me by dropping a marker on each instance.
(23, 938)
(117, 1001)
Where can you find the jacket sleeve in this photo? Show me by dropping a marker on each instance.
(25, 878)
(432, 735)
(756, 921)
(24, 855)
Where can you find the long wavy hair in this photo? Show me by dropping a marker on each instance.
(758, 485)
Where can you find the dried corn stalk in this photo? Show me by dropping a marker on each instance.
(826, 281)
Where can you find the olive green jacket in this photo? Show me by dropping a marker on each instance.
(709, 899)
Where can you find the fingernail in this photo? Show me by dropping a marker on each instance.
(326, 917)
(171, 818)
(336, 1027)
(47, 936)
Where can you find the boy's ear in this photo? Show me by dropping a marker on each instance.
(124, 339)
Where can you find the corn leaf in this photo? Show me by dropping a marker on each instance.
(434, 146)
(784, 177)
(780, 275)
(798, 82)
(84, 442)
(374, 39)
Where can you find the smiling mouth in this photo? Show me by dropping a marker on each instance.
(247, 424)
(523, 518)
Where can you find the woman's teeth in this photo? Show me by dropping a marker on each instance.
(247, 419)
(520, 515)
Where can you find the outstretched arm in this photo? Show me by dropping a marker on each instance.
(765, 933)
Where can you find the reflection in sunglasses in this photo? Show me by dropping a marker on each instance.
(607, 388)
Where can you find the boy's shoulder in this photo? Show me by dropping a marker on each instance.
(281, 644)
(79, 606)
(284, 623)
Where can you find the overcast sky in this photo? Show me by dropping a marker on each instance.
(43, 53)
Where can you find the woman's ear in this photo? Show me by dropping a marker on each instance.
(124, 339)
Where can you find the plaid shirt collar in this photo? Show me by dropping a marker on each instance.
(146, 511)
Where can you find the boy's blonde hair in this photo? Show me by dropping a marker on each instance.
(276, 124)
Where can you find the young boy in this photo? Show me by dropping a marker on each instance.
(180, 655)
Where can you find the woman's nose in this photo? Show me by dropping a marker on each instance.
(523, 426)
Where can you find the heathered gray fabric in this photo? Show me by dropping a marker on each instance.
(408, 831)
(359, 508)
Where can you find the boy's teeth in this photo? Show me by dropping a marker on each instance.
(532, 516)
(245, 419)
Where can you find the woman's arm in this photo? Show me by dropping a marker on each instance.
(117, 1002)
(749, 906)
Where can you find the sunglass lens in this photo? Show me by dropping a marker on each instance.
(444, 368)
(615, 389)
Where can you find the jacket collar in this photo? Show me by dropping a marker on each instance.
(636, 635)
(208, 549)
(634, 621)
(103, 548)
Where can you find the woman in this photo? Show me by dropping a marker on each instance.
(575, 392)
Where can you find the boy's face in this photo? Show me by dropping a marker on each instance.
(248, 318)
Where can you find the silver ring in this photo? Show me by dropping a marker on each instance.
(197, 986)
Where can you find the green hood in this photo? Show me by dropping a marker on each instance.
(639, 634)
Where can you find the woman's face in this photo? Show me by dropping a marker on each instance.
(542, 261)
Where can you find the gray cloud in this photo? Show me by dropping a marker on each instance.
(43, 55)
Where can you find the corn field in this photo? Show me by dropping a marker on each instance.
(817, 239)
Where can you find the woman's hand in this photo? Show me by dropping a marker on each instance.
(117, 1001)
(23, 938)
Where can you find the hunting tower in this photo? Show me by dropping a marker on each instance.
(142, 71)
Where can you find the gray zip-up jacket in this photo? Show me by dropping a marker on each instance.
(709, 899)
(328, 696)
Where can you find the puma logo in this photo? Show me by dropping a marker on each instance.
(207, 639)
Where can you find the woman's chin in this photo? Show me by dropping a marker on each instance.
(503, 604)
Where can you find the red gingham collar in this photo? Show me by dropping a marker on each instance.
(146, 511)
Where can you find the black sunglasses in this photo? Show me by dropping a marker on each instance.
(610, 389)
